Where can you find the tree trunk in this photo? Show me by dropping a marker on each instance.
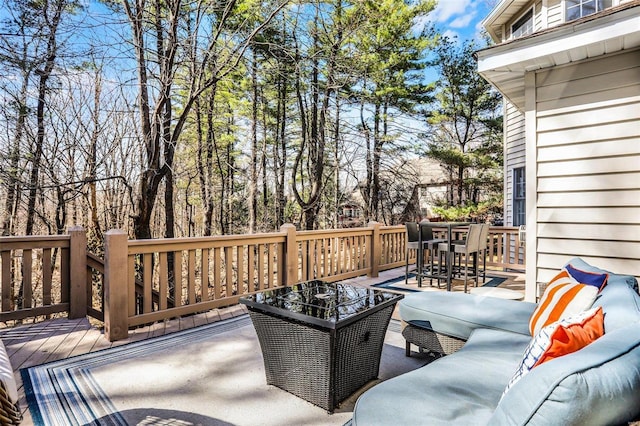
(253, 171)
(375, 166)
(13, 179)
(206, 168)
(95, 229)
(366, 191)
(44, 74)
(280, 151)
(151, 176)
(336, 160)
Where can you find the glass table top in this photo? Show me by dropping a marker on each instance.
(321, 301)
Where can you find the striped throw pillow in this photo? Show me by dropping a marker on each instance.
(586, 277)
(563, 297)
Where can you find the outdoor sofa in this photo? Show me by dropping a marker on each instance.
(598, 384)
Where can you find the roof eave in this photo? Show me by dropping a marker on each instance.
(505, 65)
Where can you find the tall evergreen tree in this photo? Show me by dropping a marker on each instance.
(390, 56)
(465, 123)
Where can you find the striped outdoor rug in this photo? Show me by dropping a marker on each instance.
(399, 285)
(209, 375)
(65, 393)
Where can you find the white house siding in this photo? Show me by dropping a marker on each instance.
(554, 13)
(515, 155)
(587, 158)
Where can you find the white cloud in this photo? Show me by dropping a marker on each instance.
(461, 18)
(462, 21)
(446, 9)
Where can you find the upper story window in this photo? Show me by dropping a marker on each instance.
(578, 8)
(523, 26)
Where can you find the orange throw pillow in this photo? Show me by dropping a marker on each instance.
(570, 337)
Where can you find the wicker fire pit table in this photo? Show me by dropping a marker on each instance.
(321, 341)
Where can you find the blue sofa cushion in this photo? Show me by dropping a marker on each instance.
(458, 314)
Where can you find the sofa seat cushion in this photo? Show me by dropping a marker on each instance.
(458, 314)
(449, 390)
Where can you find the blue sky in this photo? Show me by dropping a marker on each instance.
(461, 18)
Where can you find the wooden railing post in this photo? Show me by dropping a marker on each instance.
(77, 272)
(376, 249)
(291, 254)
(116, 309)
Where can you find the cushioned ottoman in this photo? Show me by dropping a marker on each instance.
(453, 316)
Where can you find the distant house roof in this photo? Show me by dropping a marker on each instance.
(505, 64)
(428, 171)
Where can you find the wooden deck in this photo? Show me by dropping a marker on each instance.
(51, 340)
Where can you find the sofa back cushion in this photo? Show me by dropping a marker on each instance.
(619, 299)
(599, 384)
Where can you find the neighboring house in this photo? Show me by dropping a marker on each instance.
(431, 188)
(350, 215)
(569, 71)
(424, 184)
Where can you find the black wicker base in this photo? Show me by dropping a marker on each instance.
(430, 340)
(321, 366)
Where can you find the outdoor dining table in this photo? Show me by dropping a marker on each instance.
(449, 226)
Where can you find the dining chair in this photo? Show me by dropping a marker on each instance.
(412, 243)
(483, 246)
(430, 243)
(469, 249)
(413, 233)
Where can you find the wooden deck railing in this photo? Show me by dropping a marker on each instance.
(42, 275)
(142, 281)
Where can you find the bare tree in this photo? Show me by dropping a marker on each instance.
(52, 14)
(17, 61)
(226, 33)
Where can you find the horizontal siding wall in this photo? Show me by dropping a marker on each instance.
(554, 13)
(515, 154)
(588, 164)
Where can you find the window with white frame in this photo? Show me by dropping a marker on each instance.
(523, 26)
(519, 196)
(575, 9)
